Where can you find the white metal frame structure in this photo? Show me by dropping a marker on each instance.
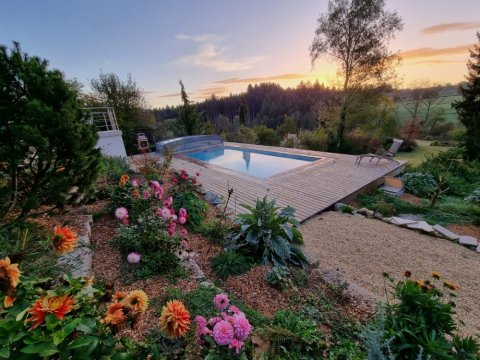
(103, 118)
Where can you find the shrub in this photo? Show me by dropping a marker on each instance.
(386, 209)
(149, 239)
(475, 197)
(419, 184)
(358, 142)
(113, 167)
(230, 264)
(46, 146)
(269, 234)
(317, 140)
(419, 323)
(267, 136)
(245, 135)
(215, 230)
(347, 209)
(182, 182)
(408, 145)
(196, 207)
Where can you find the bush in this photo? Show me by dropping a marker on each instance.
(46, 146)
(357, 142)
(419, 323)
(317, 140)
(474, 197)
(149, 239)
(267, 136)
(196, 207)
(347, 209)
(245, 135)
(419, 184)
(386, 209)
(230, 264)
(215, 230)
(408, 145)
(269, 234)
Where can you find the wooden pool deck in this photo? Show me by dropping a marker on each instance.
(310, 189)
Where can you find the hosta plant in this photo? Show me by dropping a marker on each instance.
(269, 233)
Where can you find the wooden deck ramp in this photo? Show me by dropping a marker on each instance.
(310, 189)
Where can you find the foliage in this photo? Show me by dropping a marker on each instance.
(79, 334)
(293, 336)
(267, 136)
(245, 135)
(46, 146)
(288, 126)
(229, 263)
(358, 142)
(419, 183)
(168, 153)
(369, 26)
(317, 140)
(189, 120)
(182, 182)
(243, 113)
(469, 107)
(268, 233)
(385, 208)
(196, 207)
(418, 323)
(347, 209)
(113, 167)
(128, 101)
(215, 230)
(474, 197)
(149, 239)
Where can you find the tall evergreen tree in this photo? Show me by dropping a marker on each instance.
(243, 112)
(189, 120)
(46, 146)
(469, 107)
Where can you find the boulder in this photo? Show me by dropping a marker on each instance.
(363, 211)
(445, 232)
(401, 221)
(213, 198)
(422, 226)
(468, 241)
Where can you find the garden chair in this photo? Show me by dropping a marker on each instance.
(383, 154)
(393, 186)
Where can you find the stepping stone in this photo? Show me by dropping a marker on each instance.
(401, 221)
(468, 241)
(213, 198)
(421, 225)
(413, 217)
(478, 247)
(445, 232)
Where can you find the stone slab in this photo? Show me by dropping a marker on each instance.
(422, 226)
(478, 247)
(445, 232)
(401, 221)
(469, 241)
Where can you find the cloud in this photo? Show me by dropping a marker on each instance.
(207, 92)
(170, 95)
(445, 27)
(259, 79)
(428, 52)
(210, 54)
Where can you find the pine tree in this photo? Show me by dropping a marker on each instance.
(243, 112)
(469, 108)
(189, 120)
(46, 146)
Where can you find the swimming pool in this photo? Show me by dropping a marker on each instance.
(257, 163)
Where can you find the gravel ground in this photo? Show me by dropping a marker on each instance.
(362, 249)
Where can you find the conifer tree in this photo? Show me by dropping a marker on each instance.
(189, 120)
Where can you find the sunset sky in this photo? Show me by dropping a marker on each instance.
(219, 47)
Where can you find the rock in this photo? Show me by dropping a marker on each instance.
(370, 214)
(401, 221)
(378, 215)
(413, 217)
(478, 247)
(422, 226)
(212, 198)
(363, 211)
(445, 232)
(468, 241)
(207, 284)
(338, 206)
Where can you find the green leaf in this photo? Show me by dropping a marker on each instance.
(87, 325)
(43, 348)
(52, 321)
(21, 315)
(86, 344)
(5, 353)
(281, 247)
(288, 231)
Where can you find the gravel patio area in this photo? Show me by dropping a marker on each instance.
(362, 249)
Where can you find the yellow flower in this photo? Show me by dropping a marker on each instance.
(436, 275)
(9, 275)
(175, 319)
(8, 301)
(451, 285)
(137, 301)
(64, 239)
(115, 315)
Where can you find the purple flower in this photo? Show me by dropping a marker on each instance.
(242, 328)
(200, 321)
(220, 301)
(135, 182)
(223, 333)
(133, 258)
(164, 213)
(121, 213)
(236, 344)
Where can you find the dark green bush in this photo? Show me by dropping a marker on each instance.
(317, 140)
(267, 136)
(474, 197)
(385, 208)
(230, 264)
(268, 233)
(215, 230)
(419, 184)
(196, 207)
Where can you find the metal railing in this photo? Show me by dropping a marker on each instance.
(103, 118)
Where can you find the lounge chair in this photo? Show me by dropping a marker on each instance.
(393, 186)
(385, 154)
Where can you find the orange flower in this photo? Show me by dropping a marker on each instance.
(436, 275)
(137, 301)
(451, 285)
(61, 169)
(135, 193)
(56, 305)
(174, 319)
(119, 296)
(115, 315)
(121, 183)
(8, 301)
(9, 275)
(124, 178)
(64, 239)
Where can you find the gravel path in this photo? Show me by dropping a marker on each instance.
(362, 249)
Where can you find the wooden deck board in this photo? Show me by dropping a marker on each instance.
(310, 189)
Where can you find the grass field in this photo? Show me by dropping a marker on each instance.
(445, 104)
(416, 156)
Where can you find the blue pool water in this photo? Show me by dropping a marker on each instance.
(261, 164)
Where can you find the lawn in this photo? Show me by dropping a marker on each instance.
(416, 156)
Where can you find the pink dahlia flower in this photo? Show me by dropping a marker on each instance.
(183, 232)
(155, 184)
(168, 202)
(182, 212)
(233, 309)
(135, 182)
(242, 327)
(146, 194)
(164, 213)
(221, 301)
(200, 321)
(223, 333)
(236, 344)
(182, 220)
(121, 213)
(133, 258)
